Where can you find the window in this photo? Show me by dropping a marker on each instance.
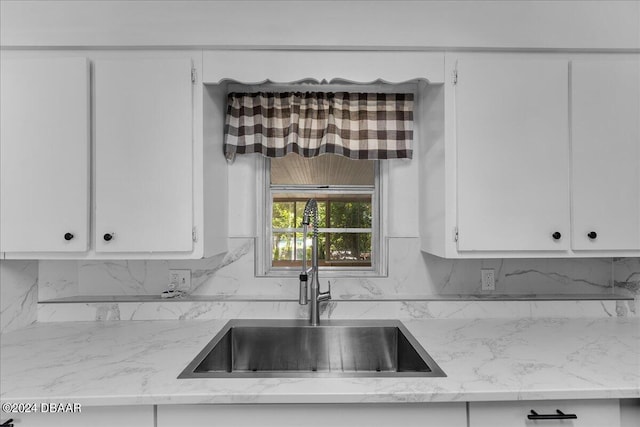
(329, 144)
(347, 193)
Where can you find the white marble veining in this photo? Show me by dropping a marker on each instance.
(57, 279)
(19, 289)
(121, 363)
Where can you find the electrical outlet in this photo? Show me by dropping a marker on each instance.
(180, 280)
(488, 279)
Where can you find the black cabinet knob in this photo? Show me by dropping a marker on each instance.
(68, 236)
(556, 235)
(108, 236)
(592, 235)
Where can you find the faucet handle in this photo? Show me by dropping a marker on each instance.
(323, 296)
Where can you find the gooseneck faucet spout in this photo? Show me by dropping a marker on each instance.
(311, 210)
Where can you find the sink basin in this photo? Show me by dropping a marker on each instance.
(293, 348)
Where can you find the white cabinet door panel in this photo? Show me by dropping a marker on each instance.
(44, 134)
(605, 152)
(512, 136)
(143, 155)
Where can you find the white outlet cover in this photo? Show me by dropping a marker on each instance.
(488, 279)
(180, 279)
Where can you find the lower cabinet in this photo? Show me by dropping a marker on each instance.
(311, 415)
(93, 416)
(588, 413)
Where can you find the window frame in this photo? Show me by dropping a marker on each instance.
(263, 247)
(262, 244)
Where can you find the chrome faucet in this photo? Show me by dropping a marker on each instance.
(311, 208)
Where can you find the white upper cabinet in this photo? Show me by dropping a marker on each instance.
(605, 154)
(146, 178)
(512, 132)
(532, 155)
(44, 140)
(143, 155)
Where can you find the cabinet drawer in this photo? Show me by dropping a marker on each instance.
(589, 413)
(314, 415)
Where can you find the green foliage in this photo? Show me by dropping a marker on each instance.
(283, 215)
(331, 214)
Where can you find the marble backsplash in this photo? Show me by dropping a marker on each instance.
(626, 281)
(19, 291)
(418, 285)
(412, 275)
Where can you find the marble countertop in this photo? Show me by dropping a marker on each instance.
(137, 362)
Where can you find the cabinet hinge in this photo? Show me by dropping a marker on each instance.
(194, 75)
(455, 234)
(455, 76)
(194, 234)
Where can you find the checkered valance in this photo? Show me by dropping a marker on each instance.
(354, 125)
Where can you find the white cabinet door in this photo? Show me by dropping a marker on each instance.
(512, 135)
(94, 416)
(605, 154)
(143, 155)
(44, 134)
(589, 413)
(315, 415)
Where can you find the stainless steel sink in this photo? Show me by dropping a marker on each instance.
(292, 348)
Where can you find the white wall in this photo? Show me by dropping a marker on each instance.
(316, 24)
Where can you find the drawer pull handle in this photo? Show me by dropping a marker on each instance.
(559, 415)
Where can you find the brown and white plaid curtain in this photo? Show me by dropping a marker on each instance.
(354, 125)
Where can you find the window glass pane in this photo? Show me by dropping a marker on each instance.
(283, 247)
(352, 248)
(299, 212)
(283, 214)
(343, 249)
(323, 170)
(352, 214)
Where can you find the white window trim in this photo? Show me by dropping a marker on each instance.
(263, 266)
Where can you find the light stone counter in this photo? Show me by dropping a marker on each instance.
(137, 362)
